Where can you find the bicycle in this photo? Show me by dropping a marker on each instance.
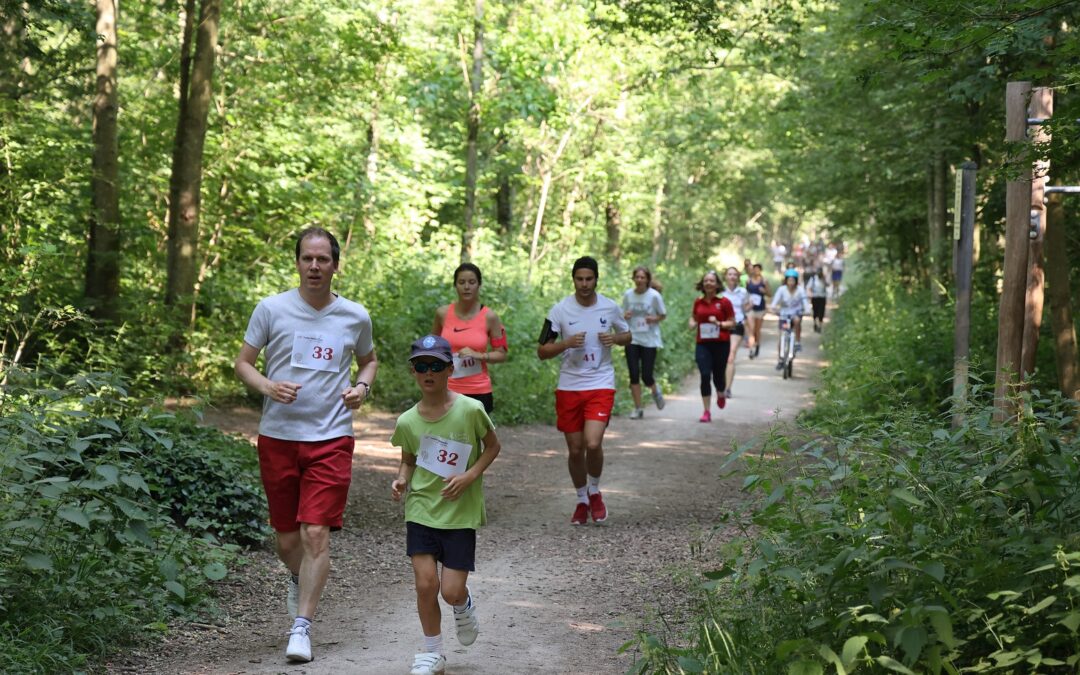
(787, 345)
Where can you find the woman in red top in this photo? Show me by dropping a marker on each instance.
(713, 318)
(469, 326)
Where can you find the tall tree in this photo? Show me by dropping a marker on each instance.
(473, 132)
(1061, 314)
(103, 258)
(196, 75)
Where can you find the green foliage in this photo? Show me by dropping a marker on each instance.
(881, 539)
(91, 557)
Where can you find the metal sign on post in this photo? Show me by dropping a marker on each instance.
(956, 205)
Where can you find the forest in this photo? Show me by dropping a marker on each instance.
(157, 159)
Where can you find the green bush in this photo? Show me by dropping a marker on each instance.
(90, 560)
(881, 539)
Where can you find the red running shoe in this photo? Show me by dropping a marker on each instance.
(581, 514)
(598, 508)
(721, 400)
(706, 417)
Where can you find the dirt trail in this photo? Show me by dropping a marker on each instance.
(551, 597)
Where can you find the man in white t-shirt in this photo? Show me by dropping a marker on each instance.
(582, 329)
(311, 336)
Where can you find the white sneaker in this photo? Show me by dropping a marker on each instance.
(428, 663)
(292, 601)
(468, 626)
(299, 649)
(658, 396)
(637, 414)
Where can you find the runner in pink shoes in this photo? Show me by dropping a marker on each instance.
(712, 319)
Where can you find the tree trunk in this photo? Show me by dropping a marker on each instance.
(658, 220)
(103, 256)
(1042, 107)
(1014, 282)
(365, 187)
(186, 179)
(1058, 290)
(938, 216)
(473, 133)
(504, 204)
(613, 223)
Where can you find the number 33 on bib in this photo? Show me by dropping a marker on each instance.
(316, 351)
(442, 456)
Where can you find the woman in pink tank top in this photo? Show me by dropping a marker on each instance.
(470, 328)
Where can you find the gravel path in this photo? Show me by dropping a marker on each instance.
(551, 597)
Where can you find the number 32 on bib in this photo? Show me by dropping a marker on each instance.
(442, 456)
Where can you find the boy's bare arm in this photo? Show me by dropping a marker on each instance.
(405, 472)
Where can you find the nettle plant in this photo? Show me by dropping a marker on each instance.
(92, 553)
(911, 547)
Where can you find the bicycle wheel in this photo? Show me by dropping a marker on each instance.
(787, 370)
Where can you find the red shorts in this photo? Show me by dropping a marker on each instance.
(305, 482)
(572, 408)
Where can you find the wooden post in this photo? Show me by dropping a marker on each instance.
(1061, 318)
(963, 261)
(1042, 107)
(1017, 225)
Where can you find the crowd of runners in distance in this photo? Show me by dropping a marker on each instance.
(310, 336)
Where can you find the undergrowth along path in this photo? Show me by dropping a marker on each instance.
(551, 597)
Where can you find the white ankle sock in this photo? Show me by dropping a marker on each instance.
(433, 644)
(583, 494)
(594, 484)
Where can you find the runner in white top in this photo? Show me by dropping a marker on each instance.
(643, 307)
(739, 298)
(310, 335)
(790, 302)
(579, 328)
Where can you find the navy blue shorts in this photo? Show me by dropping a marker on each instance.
(455, 549)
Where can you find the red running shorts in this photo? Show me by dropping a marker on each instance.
(306, 482)
(573, 408)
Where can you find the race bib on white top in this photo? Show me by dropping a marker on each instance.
(755, 299)
(639, 324)
(465, 366)
(709, 330)
(442, 456)
(317, 351)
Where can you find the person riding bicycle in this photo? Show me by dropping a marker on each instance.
(790, 302)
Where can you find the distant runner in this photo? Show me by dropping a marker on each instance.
(643, 307)
(758, 290)
(712, 318)
(740, 302)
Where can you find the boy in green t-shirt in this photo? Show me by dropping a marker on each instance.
(446, 441)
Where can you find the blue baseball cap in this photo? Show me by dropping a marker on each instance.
(432, 345)
(791, 273)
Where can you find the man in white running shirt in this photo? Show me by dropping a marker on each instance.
(582, 329)
(310, 336)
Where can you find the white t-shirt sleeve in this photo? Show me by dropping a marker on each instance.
(658, 304)
(364, 340)
(258, 328)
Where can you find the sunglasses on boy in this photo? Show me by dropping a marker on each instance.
(433, 366)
